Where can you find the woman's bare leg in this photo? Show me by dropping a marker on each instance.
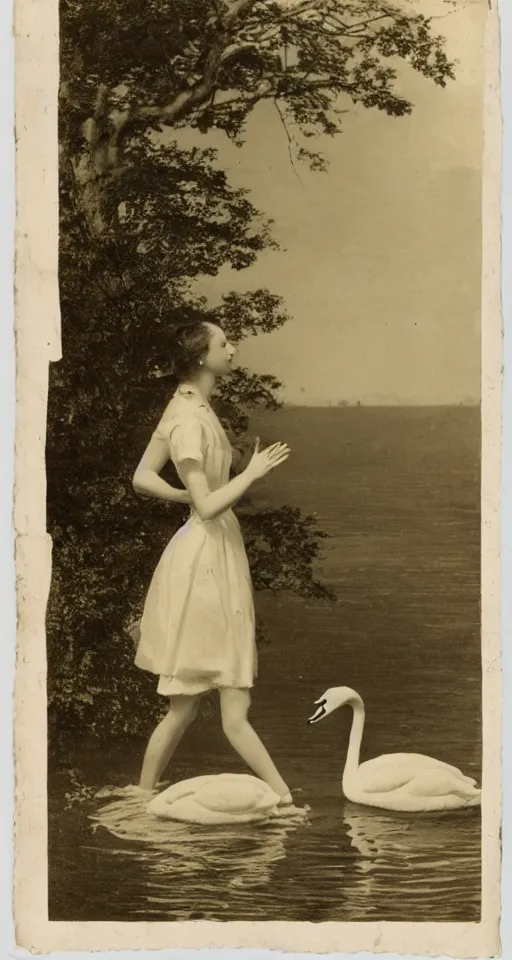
(166, 737)
(234, 705)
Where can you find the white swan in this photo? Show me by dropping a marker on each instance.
(407, 782)
(219, 799)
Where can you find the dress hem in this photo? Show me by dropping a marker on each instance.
(176, 688)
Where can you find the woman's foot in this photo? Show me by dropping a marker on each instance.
(286, 800)
(286, 807)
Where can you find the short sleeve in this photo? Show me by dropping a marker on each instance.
(186, 441)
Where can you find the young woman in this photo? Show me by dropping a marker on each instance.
(197, 629)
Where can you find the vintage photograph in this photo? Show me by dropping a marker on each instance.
(263, 463)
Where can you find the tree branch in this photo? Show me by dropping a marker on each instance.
(271, 29)
(200, 92)
(267, 91)
(288, 136)
(238, 9)
(235, 48)
(365, 23)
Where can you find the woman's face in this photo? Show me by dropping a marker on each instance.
(220, 354)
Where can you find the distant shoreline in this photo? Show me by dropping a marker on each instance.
(380, 406)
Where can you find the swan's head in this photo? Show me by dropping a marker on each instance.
(331, 700)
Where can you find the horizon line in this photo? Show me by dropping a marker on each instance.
(354, 404)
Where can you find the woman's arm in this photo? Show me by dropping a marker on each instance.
(146, 479)
(210, 505)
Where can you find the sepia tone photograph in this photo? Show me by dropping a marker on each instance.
(263, 463)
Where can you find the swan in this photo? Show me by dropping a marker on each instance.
(219, 799)
(406, 782)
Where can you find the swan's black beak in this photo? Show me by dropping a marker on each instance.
(318, 714)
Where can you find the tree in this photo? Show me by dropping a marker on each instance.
(130, 68)
(141, 218)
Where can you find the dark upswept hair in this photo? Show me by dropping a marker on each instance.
(190, 344)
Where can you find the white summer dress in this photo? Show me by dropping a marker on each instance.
(197, 630)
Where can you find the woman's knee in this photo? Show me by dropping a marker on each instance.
(234, 709)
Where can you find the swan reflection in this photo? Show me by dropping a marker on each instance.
(408, 856)
(241, 855)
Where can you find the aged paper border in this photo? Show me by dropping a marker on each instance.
(38, 342)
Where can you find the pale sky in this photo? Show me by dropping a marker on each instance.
(380, 266)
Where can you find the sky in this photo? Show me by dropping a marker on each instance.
(380, 259)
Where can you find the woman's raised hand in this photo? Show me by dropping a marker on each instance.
(263, 461)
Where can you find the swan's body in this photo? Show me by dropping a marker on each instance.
(407, 782)
(219, 799)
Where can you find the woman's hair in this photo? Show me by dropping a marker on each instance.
(190, 345)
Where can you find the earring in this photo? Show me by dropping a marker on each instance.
(200, 363)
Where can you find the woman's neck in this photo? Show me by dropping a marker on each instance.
(204, 381)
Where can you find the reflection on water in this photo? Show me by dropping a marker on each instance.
(419, 857)
(241, 855)
(398, 493)
(347, 862)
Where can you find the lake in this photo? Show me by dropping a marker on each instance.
(397, 490)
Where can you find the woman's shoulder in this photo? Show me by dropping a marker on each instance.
(182, 409)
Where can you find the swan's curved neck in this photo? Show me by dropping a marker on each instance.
(356, 735)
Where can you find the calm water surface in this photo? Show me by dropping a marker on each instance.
(397, 490)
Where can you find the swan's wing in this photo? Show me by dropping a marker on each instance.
(441, 783)
(191, 786)
(215, 798)
(383, 779)
(410, 772)
(418, 761)
(236, 797)
(183, 788)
